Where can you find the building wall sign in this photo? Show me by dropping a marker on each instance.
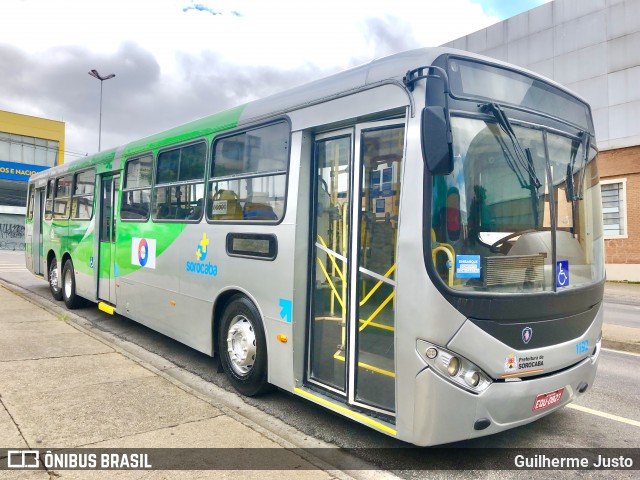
(19, 171)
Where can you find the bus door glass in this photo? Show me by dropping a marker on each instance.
(37, 246)
(107, 254)
(381, 152)
(328, 336)
(352, 317)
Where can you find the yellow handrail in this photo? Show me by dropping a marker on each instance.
(333, 261)
(367, 366)
(377, 311)
(447, 250)
(336, 295)
(335, 292)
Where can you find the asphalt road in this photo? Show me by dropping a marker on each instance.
(621, 314)
(608, 416)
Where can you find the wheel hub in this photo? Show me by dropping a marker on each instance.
(241, 345)
(67, 283)
(53, 277)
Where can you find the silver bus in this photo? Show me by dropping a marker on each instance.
(415, 243)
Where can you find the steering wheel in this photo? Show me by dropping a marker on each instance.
(494, 248)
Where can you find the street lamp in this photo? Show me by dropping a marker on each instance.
(95, 74)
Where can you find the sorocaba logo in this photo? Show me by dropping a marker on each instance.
(199, 267)
(201, 252)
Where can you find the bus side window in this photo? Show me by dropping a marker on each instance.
(62, 197)
(48, 209)
(179, 188)
(83, 192)
(248, 175)
(30, 201)
(136, 190)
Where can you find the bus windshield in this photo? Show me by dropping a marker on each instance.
(493, 217)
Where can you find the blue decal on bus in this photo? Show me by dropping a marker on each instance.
(582, 347)
(199, 267)
(468, 266)
(562, 273)
(285, 309)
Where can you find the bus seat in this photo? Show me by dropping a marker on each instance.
(257, 208)
(224, 205)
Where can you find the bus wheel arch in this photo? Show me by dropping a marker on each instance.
(53, 274)
(241, 344)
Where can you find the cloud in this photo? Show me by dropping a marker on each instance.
(140, 100)
(389, 35)
(172, 67)
(201, 8)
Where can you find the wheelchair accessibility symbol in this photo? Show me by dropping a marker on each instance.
(562, 273)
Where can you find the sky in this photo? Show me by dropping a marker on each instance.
(179, 60)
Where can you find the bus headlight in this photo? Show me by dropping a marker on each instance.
(454, 368)
(473, 379)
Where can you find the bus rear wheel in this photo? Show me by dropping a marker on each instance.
(242, 347)
(56, 291)
(69, 295)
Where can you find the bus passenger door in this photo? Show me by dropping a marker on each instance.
(36, 239)
(352, 326)
(107, 253)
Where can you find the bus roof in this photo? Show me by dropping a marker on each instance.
(386, 69)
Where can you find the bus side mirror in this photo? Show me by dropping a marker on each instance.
(437, 148)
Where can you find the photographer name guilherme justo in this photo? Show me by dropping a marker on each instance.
(541, 461)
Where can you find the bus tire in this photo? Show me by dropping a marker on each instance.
(54, 273)
(243, 348)
(69, 295)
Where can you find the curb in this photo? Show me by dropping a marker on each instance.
(621, 346)
(621, 299)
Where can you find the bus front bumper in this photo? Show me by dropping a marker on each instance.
(446, 413)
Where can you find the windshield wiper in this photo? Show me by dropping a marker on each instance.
(574, 193)
(586, 146)
(523, 156)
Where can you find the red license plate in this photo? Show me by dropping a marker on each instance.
(546, 400)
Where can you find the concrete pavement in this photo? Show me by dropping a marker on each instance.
(62, 386)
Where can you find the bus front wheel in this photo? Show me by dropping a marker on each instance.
(242, 347)
(56, 291)
(69, 295)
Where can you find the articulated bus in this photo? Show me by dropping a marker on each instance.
(415, 243)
